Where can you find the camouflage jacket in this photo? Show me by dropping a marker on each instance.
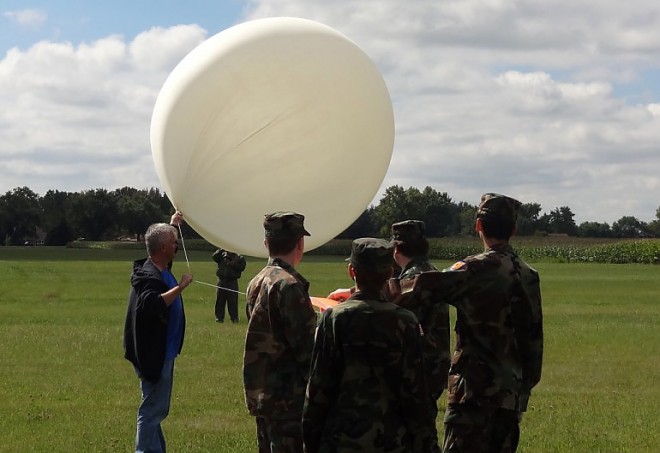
(278, 343)
(366, 391)
(499, 331)
(230, 265)
(433, 317)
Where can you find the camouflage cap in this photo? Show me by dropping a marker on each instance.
(496, 205)
(284, 225)
(372, 254)
(408, 230)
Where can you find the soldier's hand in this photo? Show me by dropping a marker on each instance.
(341, 294)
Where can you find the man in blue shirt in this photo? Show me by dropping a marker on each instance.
(154, 330)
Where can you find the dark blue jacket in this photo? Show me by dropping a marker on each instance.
(147, 315)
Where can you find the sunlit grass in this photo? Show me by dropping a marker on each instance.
(66, 387)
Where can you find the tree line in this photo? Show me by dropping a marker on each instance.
(57, 217)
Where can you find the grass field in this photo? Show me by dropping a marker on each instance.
(65, 387)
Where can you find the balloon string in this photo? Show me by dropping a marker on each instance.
(220, 287)
(183, 246)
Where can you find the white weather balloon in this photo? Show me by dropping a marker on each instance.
(278, 114)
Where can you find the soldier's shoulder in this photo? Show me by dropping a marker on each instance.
(276, 275)
(479, 262)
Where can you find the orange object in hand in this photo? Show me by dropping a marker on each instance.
(341, 294)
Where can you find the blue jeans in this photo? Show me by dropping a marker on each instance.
(153, 409)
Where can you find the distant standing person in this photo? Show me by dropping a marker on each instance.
(230, 267)
(366, 390)
(279, 339)
(154, 330)
(411, 253)
(499, 338)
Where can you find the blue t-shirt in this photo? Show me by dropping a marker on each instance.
(175, 323)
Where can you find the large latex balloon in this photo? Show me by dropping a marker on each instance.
(278, 114)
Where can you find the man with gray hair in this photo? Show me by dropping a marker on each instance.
(154, 330)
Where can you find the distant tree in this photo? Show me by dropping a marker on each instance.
(136, 210)
(528, 219)
(396, 204)
(61, 234)
(363, 226)
(630, 227)
(439, 213)
(654, 226)
(434, 208)
(94, 214)
(560, 221)
(56, 208)
(467, 215)
(594, 230)
(20, 214)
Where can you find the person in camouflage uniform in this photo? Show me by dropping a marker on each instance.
(366, 390)
(411, 253)
(499, 338)
(230, 266)
(280, 337)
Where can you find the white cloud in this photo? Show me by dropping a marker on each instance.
(552, 104)
(654, 109)
(30, 18)
(77, 117)
(514, 97)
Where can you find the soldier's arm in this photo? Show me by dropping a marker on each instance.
(240, 263)
(237, 262)
(323, 384)
(217, 256)
(413, 393)
(532, 328)
(447, 287)
(299, 323)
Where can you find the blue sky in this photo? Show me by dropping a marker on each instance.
(84, 21)
(557, 105)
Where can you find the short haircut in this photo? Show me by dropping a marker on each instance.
(156, 236)
(413, 248)
(370, 280)
(497, 227)
(281, 245)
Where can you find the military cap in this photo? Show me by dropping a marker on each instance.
(408, 230)
(501, 206)
(279, 225)
(372, 254)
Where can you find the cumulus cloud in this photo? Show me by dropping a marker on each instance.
(77, 117)
(30, 18)
(552, 104)
(517, 97)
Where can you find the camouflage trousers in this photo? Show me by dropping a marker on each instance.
(279, 436)
(470, 429)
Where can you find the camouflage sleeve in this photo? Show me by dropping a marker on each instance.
(322, 389)
(414, 396)
(251, 297)
(529, 318)
(299, 323)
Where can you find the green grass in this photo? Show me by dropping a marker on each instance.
(66, 387)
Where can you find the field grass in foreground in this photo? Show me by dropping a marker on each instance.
(65, 387)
